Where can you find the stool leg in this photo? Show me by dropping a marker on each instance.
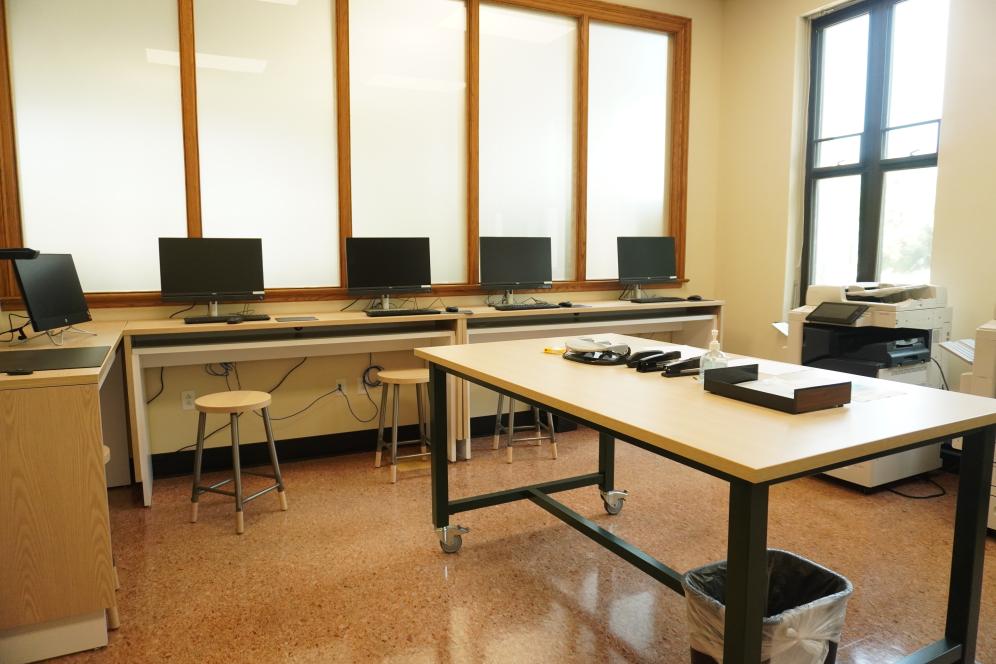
(237, 472)
(272, 446)
(198, 457)
(553, 435)
(380, 425)
(394, 435)
(511, 430)
(423, 441)
(494, 442)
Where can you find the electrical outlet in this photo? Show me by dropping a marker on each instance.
(342, 384)
(187, 399)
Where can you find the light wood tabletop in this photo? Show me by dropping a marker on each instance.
(749, 442)
(108, 333)
(177, 326)
(592, 307)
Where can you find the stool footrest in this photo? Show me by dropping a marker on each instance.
(211, 489)
(269, 476)
(259, 493)
(414, 456)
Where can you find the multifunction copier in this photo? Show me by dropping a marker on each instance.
(881, 331)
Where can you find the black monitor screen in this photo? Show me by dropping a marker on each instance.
(644, 260)
(211, 268)
(516, 262)
(388, 264)
(52, 291)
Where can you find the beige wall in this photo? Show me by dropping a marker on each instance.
(964, 253)
(764, 88)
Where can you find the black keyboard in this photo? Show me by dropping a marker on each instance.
(651, 300)
(233, 318)
(526, 307)
(378, 313)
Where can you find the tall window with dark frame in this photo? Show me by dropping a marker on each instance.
(877, 75)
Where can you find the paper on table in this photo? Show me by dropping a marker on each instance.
(785, 383)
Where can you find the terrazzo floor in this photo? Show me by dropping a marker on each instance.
(353, 573)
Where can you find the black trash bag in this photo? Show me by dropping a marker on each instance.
(806, 608)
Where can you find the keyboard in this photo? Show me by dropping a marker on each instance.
(526, 307)
(651, 300)
(235, 318)
(379, 313)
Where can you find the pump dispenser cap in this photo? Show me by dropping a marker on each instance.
(714, 344)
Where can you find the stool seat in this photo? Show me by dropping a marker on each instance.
(404, 376)
(232, 402)
(107, 454)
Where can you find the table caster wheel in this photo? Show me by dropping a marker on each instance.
(613, 501)
(450, 539)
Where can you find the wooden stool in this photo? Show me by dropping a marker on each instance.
(113, 618)
(510, 429)
(234, 404)
(396, 378)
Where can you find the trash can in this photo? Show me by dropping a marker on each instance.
(804, 619)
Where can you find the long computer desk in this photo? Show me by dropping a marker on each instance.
(750, 447)
(159, 343)
(165, 343)
(56, 580)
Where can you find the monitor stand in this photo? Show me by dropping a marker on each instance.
(509, 297)
(213, 308)
(385, 302)
(637, 292)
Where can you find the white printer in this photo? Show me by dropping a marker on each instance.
(879, 330)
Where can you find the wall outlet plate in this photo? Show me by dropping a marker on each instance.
(342, 384)
(187, 398)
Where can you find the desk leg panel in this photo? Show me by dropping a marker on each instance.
(965, 593)
(607, 461)
(440, 442)
(747, 573)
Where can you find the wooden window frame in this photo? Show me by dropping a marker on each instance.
(584, 11)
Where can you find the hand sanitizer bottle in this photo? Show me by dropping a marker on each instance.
(714, 359)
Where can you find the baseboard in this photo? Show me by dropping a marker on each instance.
(174, 464)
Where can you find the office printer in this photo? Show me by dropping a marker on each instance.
(893, 338)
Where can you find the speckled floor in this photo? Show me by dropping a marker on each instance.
(353, 573)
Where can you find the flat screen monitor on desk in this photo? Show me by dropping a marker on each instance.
(646, 260)
(211, 270)
(52, 292)
(514, 263)
(384, 266)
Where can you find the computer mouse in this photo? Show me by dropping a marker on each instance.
(232, 320)
(566, 305)
(452, 310)
(694, 298)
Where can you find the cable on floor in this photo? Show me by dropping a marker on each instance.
(941, 491)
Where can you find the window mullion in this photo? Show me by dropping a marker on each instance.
(869, 239)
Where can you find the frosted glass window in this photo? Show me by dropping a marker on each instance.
(267, 127)
(527, 128)
(627, 140)
(98, 134)
(408, 126)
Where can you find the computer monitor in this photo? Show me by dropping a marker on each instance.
(513, 263)
(52, 291)
(646, 260)
(211, 269)
(388, 265)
